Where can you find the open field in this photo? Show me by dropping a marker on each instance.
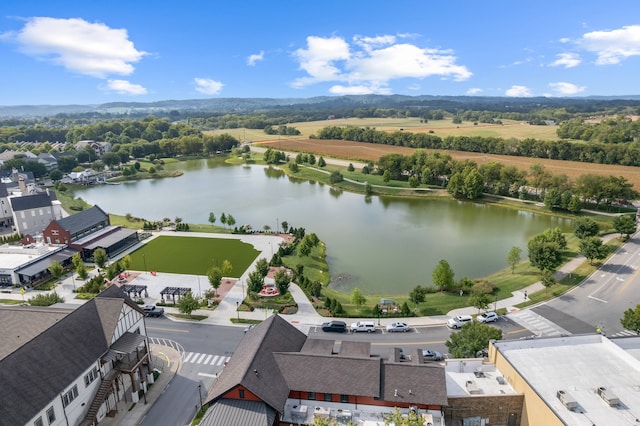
(192, 255)
(442, 128)
(366, 151)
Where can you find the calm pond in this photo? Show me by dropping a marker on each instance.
(381, 245)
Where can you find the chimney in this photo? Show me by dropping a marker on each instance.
(22, 185)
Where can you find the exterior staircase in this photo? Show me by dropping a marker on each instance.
(99, 398)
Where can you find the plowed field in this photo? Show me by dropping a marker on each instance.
(358, 151)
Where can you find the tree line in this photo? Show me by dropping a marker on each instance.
(616, 148)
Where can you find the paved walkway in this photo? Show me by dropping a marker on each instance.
(169, 361)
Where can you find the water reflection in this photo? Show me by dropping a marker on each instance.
(382, 245)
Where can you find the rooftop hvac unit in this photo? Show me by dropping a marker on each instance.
(608, 396)
(567, 400)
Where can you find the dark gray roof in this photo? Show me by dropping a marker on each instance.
(20, 324)
(318, 346)
(43, 264)
(427, 383)
(109, 240)
(83, 220)
(331, 374)
(355, 349)
(28, 202)
(253, 365)
(38, 370)
(235, 412)
(3, 189)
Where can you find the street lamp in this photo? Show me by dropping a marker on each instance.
(144, 260)
(238, 309)
(200, 393)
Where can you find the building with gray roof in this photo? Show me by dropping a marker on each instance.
(60, 367)
(278, 375)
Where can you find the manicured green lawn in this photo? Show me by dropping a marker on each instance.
(192, 255)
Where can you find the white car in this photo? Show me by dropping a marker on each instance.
(398, 326)
(487, 317)
(360, 326)
(458, 321)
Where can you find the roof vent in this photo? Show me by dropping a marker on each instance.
(567, 400)
(608, 396)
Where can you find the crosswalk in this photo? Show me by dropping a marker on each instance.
(537, 324)
(205, 359)
(167, 342)
(625, 333)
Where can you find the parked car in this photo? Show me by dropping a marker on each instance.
(398, 326)
(458, 321)
(249, 327)
(428, 355)
(367, 326)
(337, 326)
(487, 317)
(153, 311)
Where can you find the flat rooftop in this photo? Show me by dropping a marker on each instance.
(12, 257)
(580, 365)
(473, 377)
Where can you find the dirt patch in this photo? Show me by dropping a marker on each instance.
(368, 151)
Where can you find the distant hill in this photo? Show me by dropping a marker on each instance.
(248, 105)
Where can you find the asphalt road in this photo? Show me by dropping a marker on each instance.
(601, 300)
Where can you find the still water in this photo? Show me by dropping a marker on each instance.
(380, 245)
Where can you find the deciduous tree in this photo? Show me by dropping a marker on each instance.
(100, 257)
(472, 338)
(187, 304)
(592, 248)
(214, 274)
(631, 319)
(514, 257)
(625, 225)
(357, 298)
(443, 276)
(585, 227)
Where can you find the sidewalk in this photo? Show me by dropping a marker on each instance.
(168, 361)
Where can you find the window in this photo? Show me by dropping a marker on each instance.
(344, 399)
(51, 415)
(91, 376)
(68, 397)
(311, 396)
(241, 393)
(38, 422)
(328, 396)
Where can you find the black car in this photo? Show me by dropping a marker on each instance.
(337, 326)
(153, 311)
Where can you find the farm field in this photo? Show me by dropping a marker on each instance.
(442, 128)
(192, 255)
(365, 151)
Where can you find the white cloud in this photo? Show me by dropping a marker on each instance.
(474, 91)
(613, 46)
(567, 60)
(371, 63)
(351, 90)
(319, 58)
(252, 59)
(518, 91)
(208, 86)
(564, 88)
(124, 87)
(86, 48)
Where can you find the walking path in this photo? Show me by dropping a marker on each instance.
(169, 360)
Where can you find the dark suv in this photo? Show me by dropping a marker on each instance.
(337, 326)
(153, 311)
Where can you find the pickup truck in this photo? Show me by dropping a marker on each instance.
(153, 311)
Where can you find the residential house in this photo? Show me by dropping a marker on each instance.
(61, 367)
(100, 148)
(48, 160)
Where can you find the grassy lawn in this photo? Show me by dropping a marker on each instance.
(192, 255)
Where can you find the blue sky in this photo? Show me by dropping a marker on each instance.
(89, 52)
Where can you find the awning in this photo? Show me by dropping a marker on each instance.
(127, 343)
(109, 240)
